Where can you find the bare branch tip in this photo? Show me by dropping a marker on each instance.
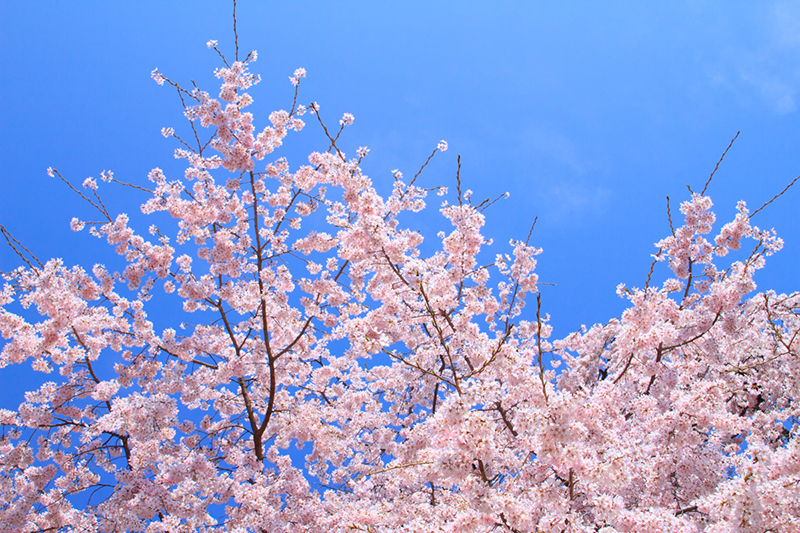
(719, 162)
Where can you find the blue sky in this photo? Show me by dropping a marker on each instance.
(588, 113)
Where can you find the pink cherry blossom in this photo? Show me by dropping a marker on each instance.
(288, 306)
(347, 119)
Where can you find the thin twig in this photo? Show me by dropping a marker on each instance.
(327, 134)
(79, 193)
(506, 421)
(235, 34)
(425, 164)
(669, 217)
(9, 238)
(458, 179)
(131, 185)
(484, 205)
(775, 197)
(718, 163)
(650, 274)
(539, 344)
(624, 370)
(530, 232)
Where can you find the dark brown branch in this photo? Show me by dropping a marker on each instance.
(259, 432)
(688, 285)
(442, 341)
(539, 344)
(296, 339)
(684, 343)
(122, 438)
(624, 370)
(482, 470)
(504, 416)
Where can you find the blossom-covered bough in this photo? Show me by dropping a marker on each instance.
(426, 397)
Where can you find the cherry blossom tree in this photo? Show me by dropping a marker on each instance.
(426, 394)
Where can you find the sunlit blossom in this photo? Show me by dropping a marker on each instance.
(314, 363)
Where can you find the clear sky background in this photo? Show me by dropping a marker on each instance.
(588, 113)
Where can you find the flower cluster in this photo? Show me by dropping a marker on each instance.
(298, 312)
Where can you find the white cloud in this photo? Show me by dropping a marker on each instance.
(574, 201)
(766, 58)
(572, 197)
(554, 146)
